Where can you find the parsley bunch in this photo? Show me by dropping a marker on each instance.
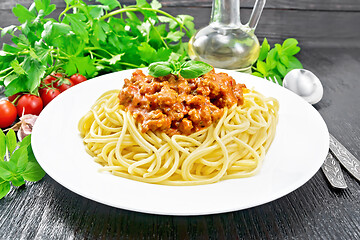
(88, 39)
(275, 63)
(19, 165)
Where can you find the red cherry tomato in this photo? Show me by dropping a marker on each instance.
(15, 98)
(29, 104)
(47, 95)
(64, 84)
(77, 78)
(51, 79)
(7, 113)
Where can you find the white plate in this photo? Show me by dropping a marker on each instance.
(298, 151)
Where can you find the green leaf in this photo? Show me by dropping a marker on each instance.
(19, 84)
(272, 58)
(45, 6)
(142, 4)
(97, 11)
(187, 21)
(33, 172)
(7, 169)
(82, 65)
(265, 47)
(2, 145)
(78, 25)
(172, 23)
(8, 30)
(284, 60)
(10, 49)
(35, 72)
(4, 188)
(160, 69)
(17, 67)
(146, 52)
(258, 74)
(262, 68)
(155, 4)
(282, 69)
(115, 58)
(23, 13)
(175, 36)
(17, 180)
(53, 31)
(20, 158)
(294, 63)
(290, 47)
(194, 69)
(112, 4)
(11, 142)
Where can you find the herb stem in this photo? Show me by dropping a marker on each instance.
(137, 9)
(5, 70)
(100, 49)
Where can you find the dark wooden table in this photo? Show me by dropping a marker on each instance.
(46, 210)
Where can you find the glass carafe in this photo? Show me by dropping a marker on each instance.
(225, 42)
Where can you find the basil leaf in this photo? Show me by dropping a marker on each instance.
(33, 172)
(4, 188)
(20, 158)
(160, 69)
(194, 69)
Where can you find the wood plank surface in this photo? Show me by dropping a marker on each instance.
(328, 32)
(46, 210)
(311, 28)
(323, 5)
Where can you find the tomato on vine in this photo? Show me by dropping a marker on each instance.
(48, 94)
(77, 78)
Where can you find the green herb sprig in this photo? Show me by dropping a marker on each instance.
(88, 39)
(275, 63)
(17, 162)
(188, 69)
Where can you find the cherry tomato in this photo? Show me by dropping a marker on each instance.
(29, 104)
(77, 78)
(7, 113)
(15, 98)
(50, 79)
(48, 94)
(64, 84)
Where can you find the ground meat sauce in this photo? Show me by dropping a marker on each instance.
(176, 105)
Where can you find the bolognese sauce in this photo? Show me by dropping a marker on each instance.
(176, 105)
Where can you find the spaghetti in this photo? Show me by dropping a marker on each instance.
(232, 147)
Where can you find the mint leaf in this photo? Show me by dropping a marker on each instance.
(160, 69)
(194, 69)
(33, 172)
(4, 188)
